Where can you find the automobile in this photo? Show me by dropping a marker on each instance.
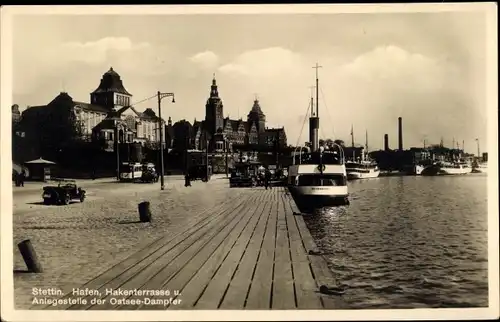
(200, 172)
(244, 174)
(63, 193)
(149, 173)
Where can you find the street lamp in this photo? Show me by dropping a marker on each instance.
(226, 145)
(206, 156)
(117, 122)
(160, 97)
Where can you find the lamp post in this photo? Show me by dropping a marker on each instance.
(206, 157)
(160, 97)
(117, 122)
(226, 145)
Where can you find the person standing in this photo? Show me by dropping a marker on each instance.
(267, 179)
(23, 176)
(187, 180)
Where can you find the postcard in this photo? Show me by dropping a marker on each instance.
(249, 162)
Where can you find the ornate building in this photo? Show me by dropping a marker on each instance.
(222, 132)
(109, 107)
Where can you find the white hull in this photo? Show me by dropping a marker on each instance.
(482, 168)
(338, 191)
(354, 175)
(455, 171)
(309, 197)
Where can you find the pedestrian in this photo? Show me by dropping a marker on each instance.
(187, 180)
(23, 176)
(17, 178)
(267, 178)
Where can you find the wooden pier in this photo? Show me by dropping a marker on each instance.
(248, 254)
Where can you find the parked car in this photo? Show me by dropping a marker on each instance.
(245, 174)
(200, 172)
(63, 193)
(149, 173)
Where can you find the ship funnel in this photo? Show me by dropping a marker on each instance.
(386, 142)
(313, 134)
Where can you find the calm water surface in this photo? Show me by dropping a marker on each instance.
(409, 242)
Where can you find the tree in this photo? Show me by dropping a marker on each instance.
(339, 142)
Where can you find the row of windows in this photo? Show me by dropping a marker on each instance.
(122, 100)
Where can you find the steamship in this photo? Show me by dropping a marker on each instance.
(364, 169)
(447, 168)
(318, 178)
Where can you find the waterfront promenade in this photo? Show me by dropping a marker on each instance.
(208, 247)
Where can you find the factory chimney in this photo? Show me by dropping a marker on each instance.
(400, 133)
(386, 142)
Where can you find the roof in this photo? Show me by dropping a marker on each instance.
(111, 82)
(40, 161)
(256, 109)
(106, 124)
(92, 107)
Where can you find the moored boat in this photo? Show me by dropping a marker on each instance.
(361, 170)
(480, 167)
(447, 168)
(318, 178)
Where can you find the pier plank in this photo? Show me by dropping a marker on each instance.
(216, 248)
(216, 281)
(113, 277)
(283, 296)
(259, 296)
(249, 252)
(324, 276)
(184, 262)
(306, 289)
(237, 291)
(164, 260)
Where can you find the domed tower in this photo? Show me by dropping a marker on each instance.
(111, 93)
(257, 117)
(214, 110)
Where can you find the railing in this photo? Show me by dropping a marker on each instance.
(340, 149)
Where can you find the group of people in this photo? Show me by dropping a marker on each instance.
(265, 177)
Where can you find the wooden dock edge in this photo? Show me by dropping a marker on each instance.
(318, 264)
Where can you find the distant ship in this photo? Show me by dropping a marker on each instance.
(361, 170)
(447, 168)
(480, 167)
(318, 178)
(364, 169)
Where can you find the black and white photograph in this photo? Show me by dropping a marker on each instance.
(249, 162)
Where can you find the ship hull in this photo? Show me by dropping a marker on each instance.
(436, 170)
(309, 199)
(355, 175)
(480, 169)
(454, 171)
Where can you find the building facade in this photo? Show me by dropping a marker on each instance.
(108, 113)
(222, 133)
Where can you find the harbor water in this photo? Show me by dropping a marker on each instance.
(409, 242)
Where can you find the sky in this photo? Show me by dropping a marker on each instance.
(428, 68)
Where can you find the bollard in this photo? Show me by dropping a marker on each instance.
(29, 256)
(144, 212)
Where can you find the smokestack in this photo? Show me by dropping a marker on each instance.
(400, 133)
(386, 142)
(313, 133)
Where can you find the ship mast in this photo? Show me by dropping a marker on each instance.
(314, 120)
(366, 144)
